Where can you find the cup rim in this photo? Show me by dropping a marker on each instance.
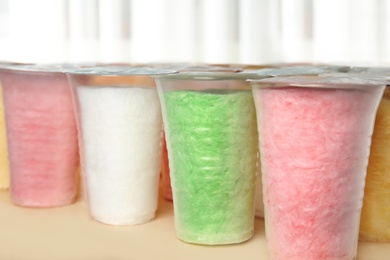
(300, 70)
(39, 67)
(319, 81)
(119, 71)
(211, 76)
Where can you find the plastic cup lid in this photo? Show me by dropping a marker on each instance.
(378, 70)
(120, 71)
(212, 76)
(8, 63)
(187, 67)
(364, 70)
(324, 81)
(300, 70)
(40, 68)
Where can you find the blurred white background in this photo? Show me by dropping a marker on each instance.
(211, 31)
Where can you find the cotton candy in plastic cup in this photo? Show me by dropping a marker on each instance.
(120, 127)
(165, 173)
(291, 70)
(41, 135)
(211, 135)
(314, 137)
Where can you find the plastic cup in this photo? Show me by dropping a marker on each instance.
(314, 137)
(41, 135)
(120, 127)
(211, 134)
(165, 173)
(293, 70)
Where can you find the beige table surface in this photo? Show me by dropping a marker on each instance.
(69, 233)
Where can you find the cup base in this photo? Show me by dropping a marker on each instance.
(124, 221)
(220, 239)
(40, 204)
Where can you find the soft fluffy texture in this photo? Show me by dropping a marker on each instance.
(375, 221)
(42, 139)
(212, 146)
(121, 152)
(314, 147)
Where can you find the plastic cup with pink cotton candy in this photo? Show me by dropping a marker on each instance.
(41, 135)
(291, 70)
(314, 137)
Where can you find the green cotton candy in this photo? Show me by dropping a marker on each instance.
(212, 143)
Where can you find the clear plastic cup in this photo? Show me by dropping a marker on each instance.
(211, 134)
(120, 127)
(314, 137)
(165, 173)
(292, 70)
(41, 134)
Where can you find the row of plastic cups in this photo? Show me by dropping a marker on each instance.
(213, 166)
(35, 73)
(314, 135)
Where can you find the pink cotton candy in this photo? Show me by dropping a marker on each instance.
(42, 139)
(314, 147)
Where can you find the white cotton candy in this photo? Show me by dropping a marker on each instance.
(121, 152)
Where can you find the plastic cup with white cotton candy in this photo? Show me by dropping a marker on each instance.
(314, 137)
(211, 134)
(41, 135)
(120, 127)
